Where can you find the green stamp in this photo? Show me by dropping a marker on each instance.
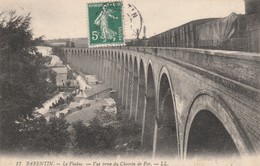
(105, 23)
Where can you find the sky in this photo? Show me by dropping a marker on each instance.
(68, 18)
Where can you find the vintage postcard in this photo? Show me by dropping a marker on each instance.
(129, 82)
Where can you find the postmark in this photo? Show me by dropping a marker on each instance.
(105, 22)
(134, 21)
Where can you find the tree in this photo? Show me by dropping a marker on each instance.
(39, 41)
(40, 136)
(96, 138)
(23, 85)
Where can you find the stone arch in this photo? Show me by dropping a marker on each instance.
(167, 138)
(150, 111)
(205, 110)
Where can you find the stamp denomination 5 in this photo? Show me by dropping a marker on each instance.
(105, 23)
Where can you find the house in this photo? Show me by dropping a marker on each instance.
(61, 77)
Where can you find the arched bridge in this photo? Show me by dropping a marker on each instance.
(188, 101)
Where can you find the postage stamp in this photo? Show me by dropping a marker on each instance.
(105, 21)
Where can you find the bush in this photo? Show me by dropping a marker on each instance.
(41, 136)
(94, 138)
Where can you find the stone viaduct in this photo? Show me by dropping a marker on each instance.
(188, 101)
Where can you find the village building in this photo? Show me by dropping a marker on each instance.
(61, 77)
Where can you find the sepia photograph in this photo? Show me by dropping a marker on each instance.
(129, 82)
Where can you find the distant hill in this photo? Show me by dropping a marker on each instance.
(78, 42)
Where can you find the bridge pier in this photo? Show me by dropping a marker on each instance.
(107, 72)
(121, 82)
(110, 66)
(91, 59)
(114, 81)
(104, 69)
(124, 86)
(136, 101)
(148, 125)
(118, 82)
(100, 67)
(143, 121)
(134, 97)
(129, 93)
(149, 113)
(89, 63)
(141, 96)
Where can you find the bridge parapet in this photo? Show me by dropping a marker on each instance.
(240, 71)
